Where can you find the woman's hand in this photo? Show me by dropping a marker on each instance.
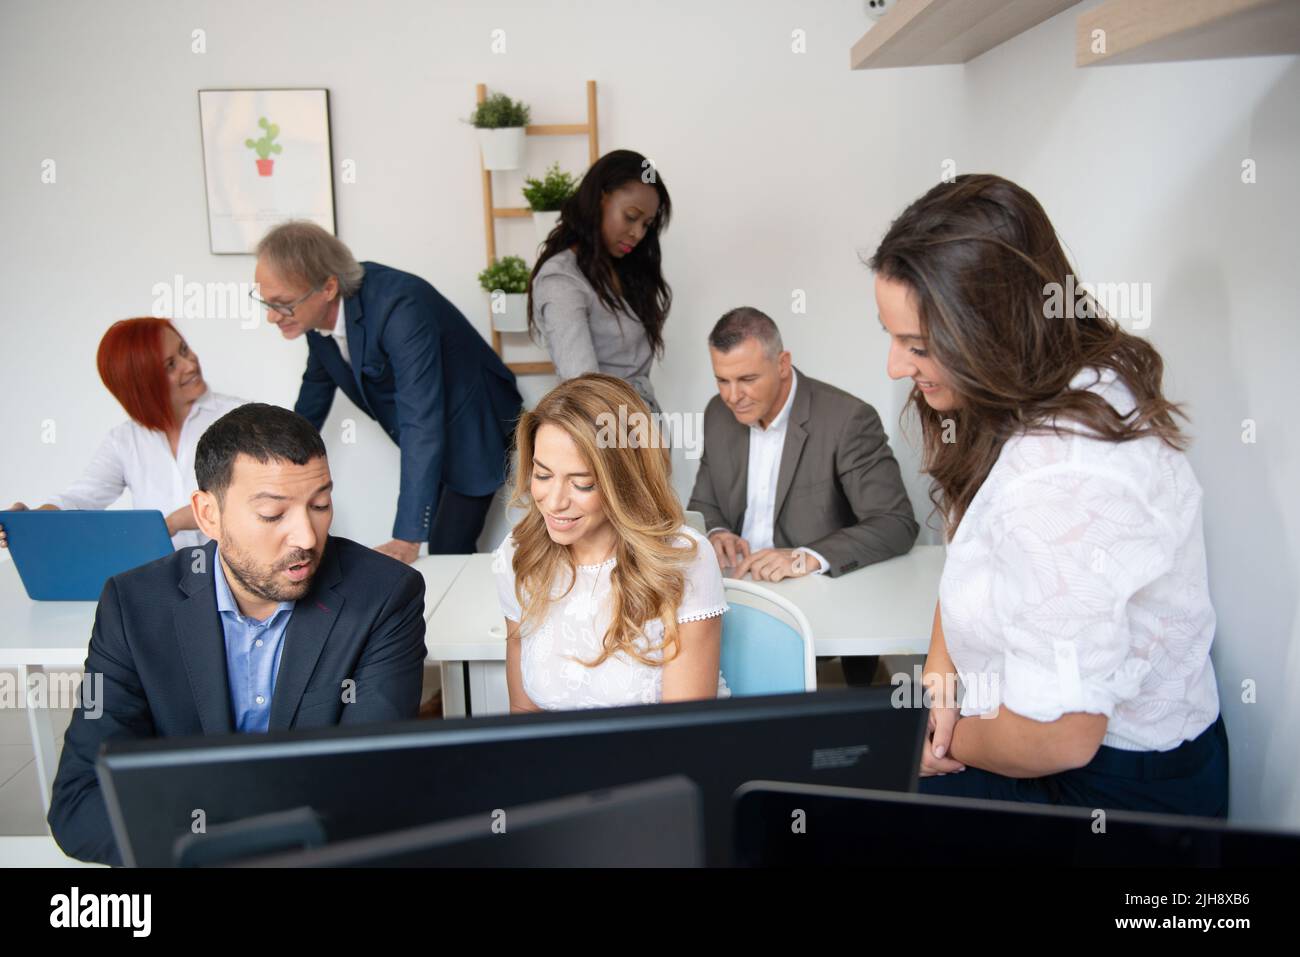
(15, 507)
(935, 757)
(940, 682)
(181, 520)
(20, 507)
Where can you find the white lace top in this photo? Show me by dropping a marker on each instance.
(1076, 582)
(551, 655)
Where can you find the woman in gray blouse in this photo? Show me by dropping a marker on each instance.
(597, 294)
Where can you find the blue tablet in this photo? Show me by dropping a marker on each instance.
(68, 555)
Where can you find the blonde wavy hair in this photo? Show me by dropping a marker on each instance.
(631, 466)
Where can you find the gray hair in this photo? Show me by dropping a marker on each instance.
(302, 250)
(744, 323)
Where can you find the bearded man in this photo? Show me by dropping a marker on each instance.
(274, 624)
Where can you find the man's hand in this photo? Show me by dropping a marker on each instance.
(774, 564)
(403, 551)
(730, 548)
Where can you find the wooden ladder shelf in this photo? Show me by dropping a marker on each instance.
(491, 212)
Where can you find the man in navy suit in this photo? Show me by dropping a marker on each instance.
(410, 360)
(272, 625)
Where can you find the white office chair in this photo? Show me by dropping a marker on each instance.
(767, 642)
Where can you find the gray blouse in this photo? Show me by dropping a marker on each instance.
(582, 335)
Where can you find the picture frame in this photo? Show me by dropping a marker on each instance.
(267, 158)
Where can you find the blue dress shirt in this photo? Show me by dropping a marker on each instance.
(252, 655)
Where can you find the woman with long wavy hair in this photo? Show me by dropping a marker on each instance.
(597, 295)
(1074, 603)
(609, 597)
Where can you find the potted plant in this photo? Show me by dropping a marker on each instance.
(500, 122)
(546, 196)
(265, 147)
(506, 283)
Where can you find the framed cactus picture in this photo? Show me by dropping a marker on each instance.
(266, 158)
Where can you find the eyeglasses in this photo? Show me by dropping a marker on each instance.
(285, 308)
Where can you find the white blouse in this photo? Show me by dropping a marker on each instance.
(139, 460)
(552, 654)
(1076, 581)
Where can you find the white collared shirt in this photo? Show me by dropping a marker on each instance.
(1076, 582)
(765, 448)
(139, 460)
(340, 332)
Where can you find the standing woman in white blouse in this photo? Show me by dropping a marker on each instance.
(151, 371)
(1074, 604)
(609, 597)
(597, 295)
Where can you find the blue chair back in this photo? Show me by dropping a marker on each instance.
(761, 654)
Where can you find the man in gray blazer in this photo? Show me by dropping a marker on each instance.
(796, 476)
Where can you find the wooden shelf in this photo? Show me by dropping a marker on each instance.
(532, 368)
(934, 32)
(1159, 31)
(491, 212)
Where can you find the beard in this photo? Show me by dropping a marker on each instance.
(264, 581)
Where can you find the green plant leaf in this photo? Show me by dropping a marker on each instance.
(498, 111)
(549, 193)
(509, 275)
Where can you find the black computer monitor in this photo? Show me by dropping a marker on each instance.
(870, 828)
(365, 780)
(655, 824)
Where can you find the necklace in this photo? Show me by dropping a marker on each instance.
(598, 568)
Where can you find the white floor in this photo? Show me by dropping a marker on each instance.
(20, 799)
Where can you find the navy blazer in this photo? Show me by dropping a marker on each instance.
(425, 374)
(160, 647)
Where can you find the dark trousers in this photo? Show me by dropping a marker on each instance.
(458, 523)
(858, 669)
(1189, 779)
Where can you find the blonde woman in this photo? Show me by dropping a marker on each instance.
(609, 598)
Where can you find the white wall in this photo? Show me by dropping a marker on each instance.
(782, 168)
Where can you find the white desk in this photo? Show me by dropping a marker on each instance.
(36, 637)
(439, 573)
(884, 609)
(41, 636)
(467, 633)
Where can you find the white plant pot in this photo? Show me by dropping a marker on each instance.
(503, 148)
(514, 314)
(544, 222)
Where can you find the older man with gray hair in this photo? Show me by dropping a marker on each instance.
(410, 360)
(797, 476)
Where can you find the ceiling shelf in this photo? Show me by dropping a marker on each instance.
(934, 32)
(1159, 31)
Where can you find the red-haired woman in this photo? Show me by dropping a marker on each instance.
(150, 370)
